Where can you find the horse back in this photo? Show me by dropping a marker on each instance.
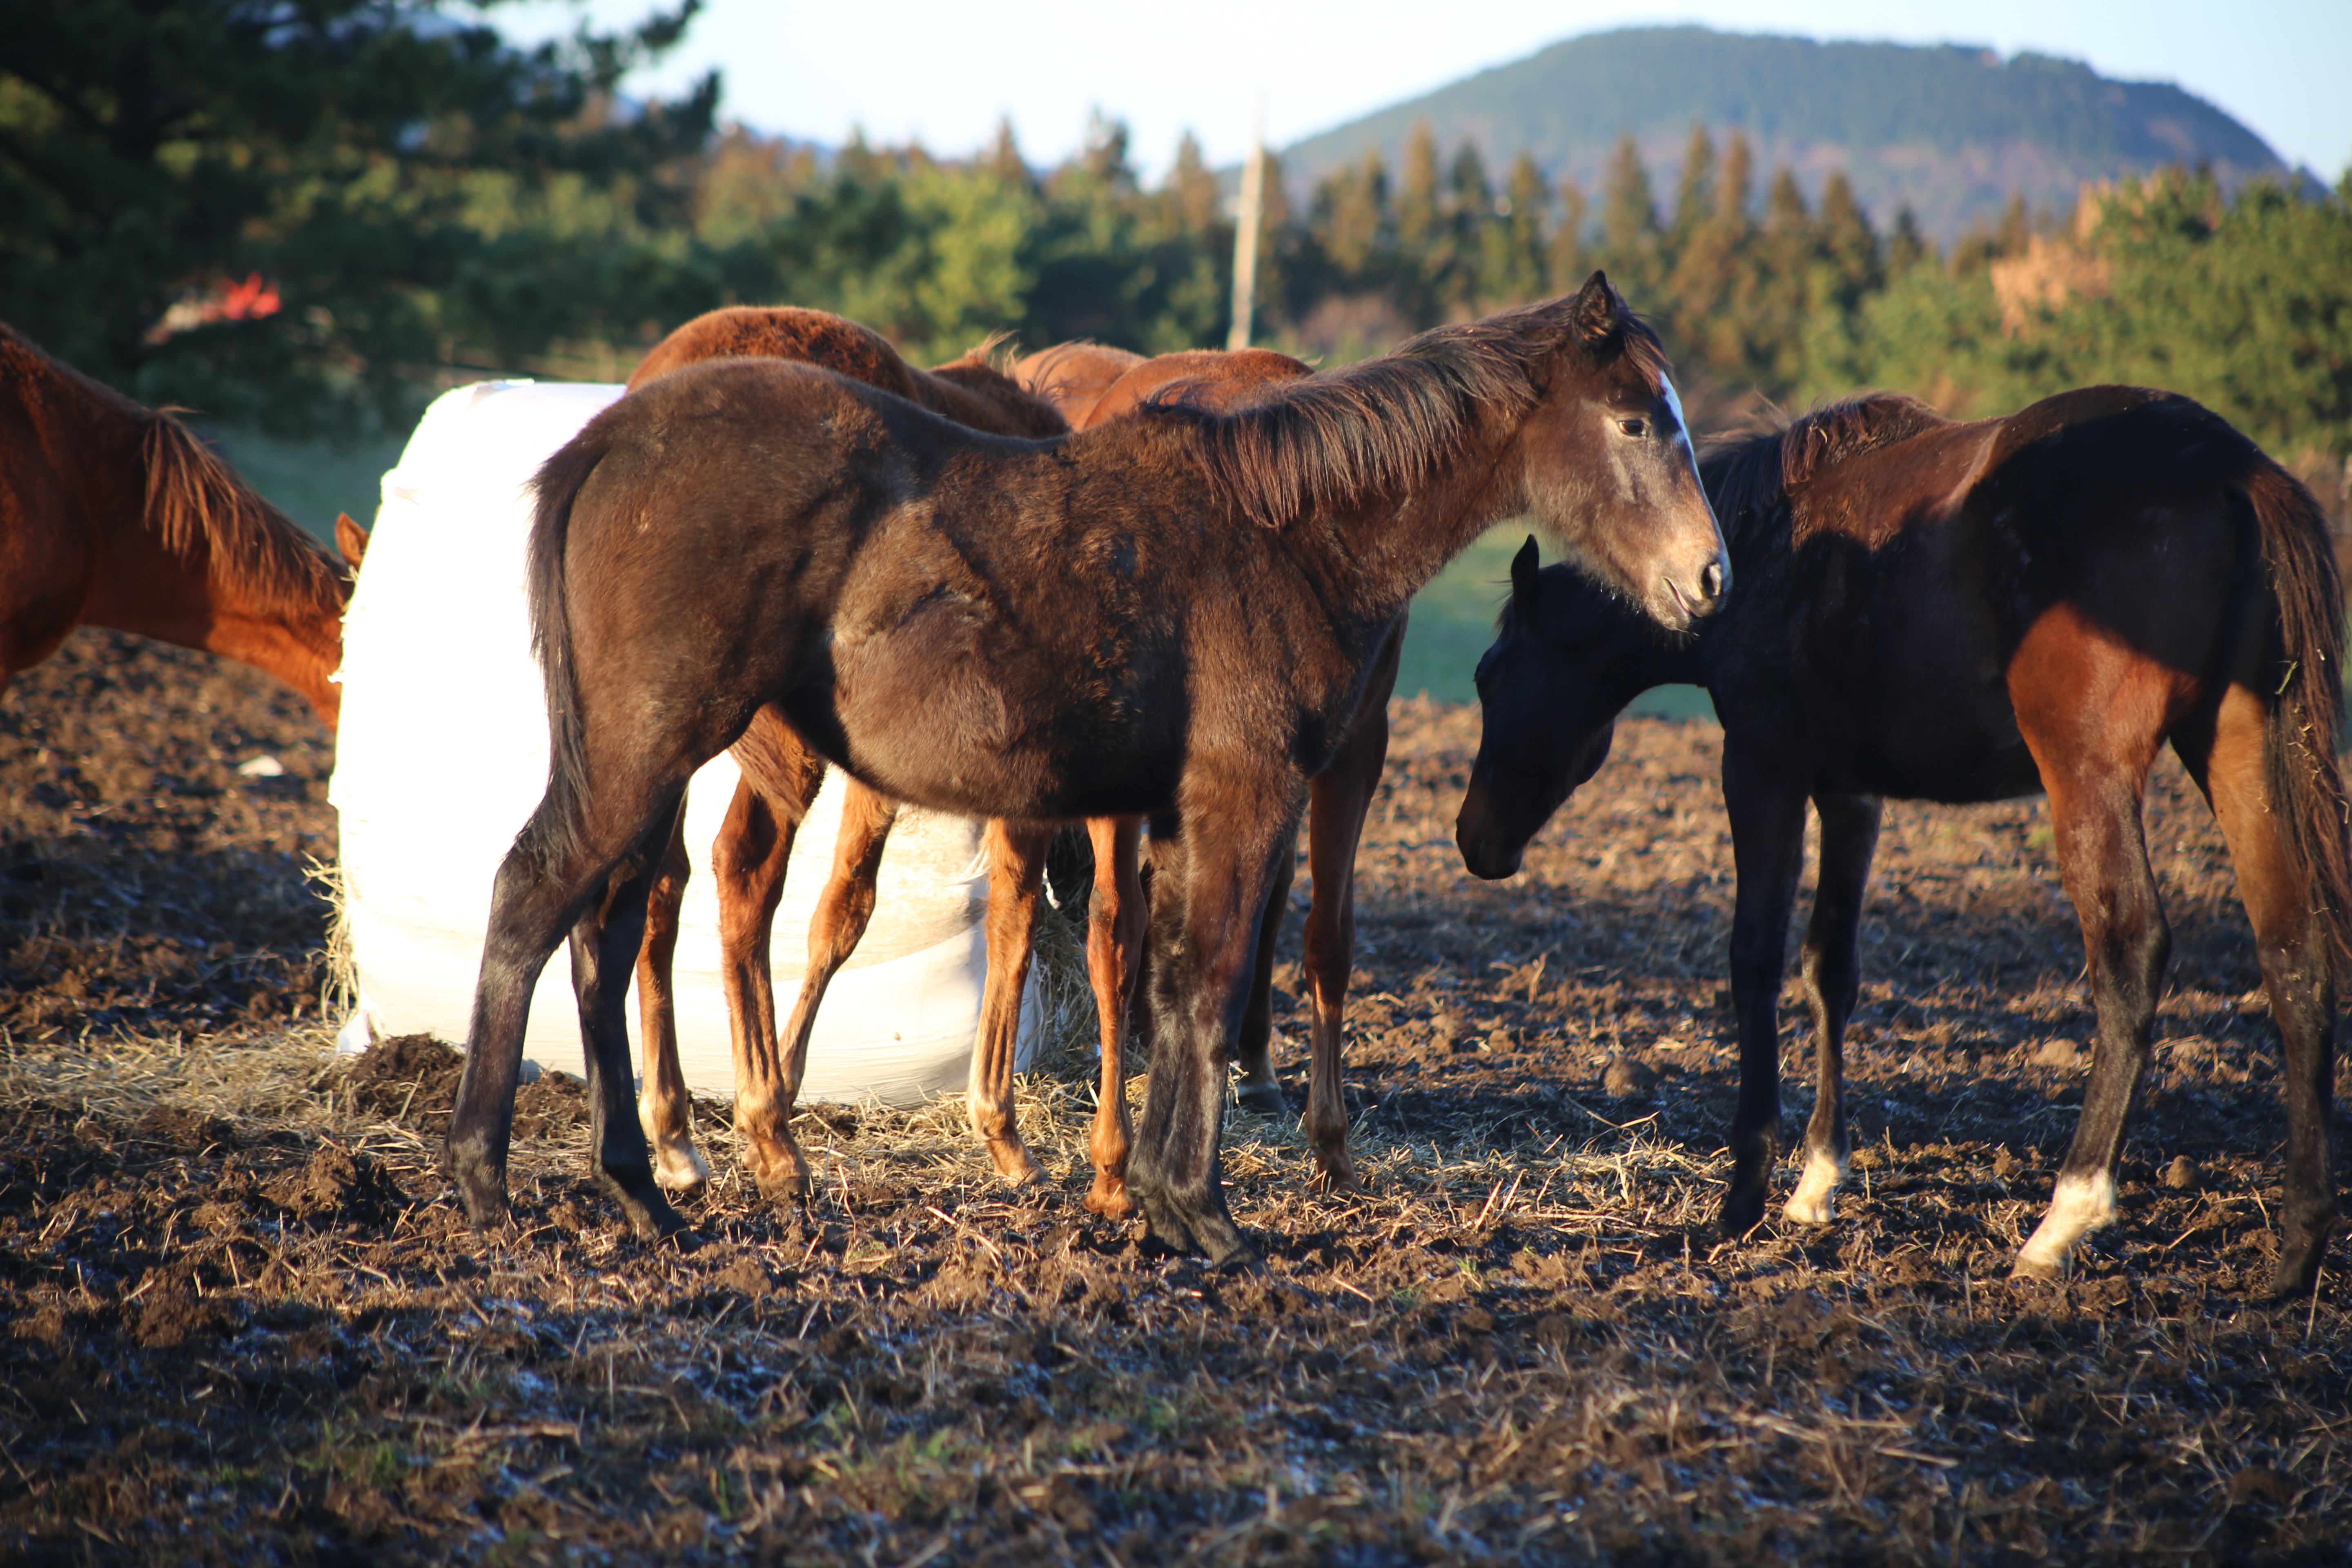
(1206, 378)
(782, 331)
(2086, 550)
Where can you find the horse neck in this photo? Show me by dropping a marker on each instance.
(215, 566)
(1396, 542)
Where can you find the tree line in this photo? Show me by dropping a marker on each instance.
(309, 212)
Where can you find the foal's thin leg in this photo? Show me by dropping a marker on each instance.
(2095, 804)
(749, 859)
(2293, 943)
(1339, 798)
(562, 861)
(1114, 942)
(605, 942)
(1832, 979)
(1206, 901)
(663, 1108)
(1261, 1088)
(1767, 808)
(1016, 872)
(842, 910)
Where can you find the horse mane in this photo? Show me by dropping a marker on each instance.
(1750, 474)
(1332, 440)
(202, 510)
(197, 506)
(978, 389)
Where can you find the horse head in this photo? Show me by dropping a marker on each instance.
(1605, 461)
(1568, 656)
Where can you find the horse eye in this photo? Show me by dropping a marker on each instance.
(1634, 427)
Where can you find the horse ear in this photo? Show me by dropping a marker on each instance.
(1523, 577)
(1598, 308)
(352, 540)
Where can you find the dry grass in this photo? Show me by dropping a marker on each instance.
(242, 1319)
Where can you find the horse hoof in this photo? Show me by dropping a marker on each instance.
(682, 1171)
(1742, 1211)
(1015, 1166)
(1109, 1198)
(1242, 1259)
(1802, 1210)
(1338, 1182)
(1262, 1099)
(2038, 1268)
(790, 1191)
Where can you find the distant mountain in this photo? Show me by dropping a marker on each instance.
(1950, 130)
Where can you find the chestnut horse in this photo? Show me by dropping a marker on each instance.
(1337, 797)
(115, 515)
(1034, 631)
(1952, 612)
(780, 777)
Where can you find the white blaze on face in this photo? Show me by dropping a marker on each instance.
(1666, 384)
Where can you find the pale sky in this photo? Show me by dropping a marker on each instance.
(945, 71)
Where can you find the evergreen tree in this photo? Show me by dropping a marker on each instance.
(1566, 258)
(1629, 225)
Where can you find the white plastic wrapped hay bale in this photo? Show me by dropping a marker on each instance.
(442, 754)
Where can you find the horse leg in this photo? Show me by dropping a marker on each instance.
(2234, 768)
(566, 856)
(2095, 803)
(780, 778)
(1210, 886)
(1261, 1088)
(843, 910)
(1016, 872)
(1768, 844)
(663, 1107)
(605, 942)
(1832, 979)
(1114, 938)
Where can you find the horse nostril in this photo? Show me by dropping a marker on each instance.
(1711, 580)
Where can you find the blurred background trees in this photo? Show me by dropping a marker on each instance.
(318, 211)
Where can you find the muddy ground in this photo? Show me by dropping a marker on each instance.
(240, 1320)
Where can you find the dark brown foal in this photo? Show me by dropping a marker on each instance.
(780, 779)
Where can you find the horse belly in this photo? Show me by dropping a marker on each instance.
(1909, 697)
(936, 710)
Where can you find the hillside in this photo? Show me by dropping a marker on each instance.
(1950, 130)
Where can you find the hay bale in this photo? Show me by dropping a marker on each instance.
(442, 753)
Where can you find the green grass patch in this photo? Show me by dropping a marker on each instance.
(311, 480)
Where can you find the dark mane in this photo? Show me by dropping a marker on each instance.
(1749, 474)
(1328, 441)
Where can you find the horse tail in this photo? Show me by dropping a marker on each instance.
(2306, 786)
(555, 487)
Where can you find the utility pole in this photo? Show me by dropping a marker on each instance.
(1252, 211)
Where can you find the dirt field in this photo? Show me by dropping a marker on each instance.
(240, 1320)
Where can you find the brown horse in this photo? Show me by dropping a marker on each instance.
(780, 777)
(771, 800)
(1337, 797)
(1971, 612)
(1034, 631)
(1016, 867)
(115, 515)
(1073, 377)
